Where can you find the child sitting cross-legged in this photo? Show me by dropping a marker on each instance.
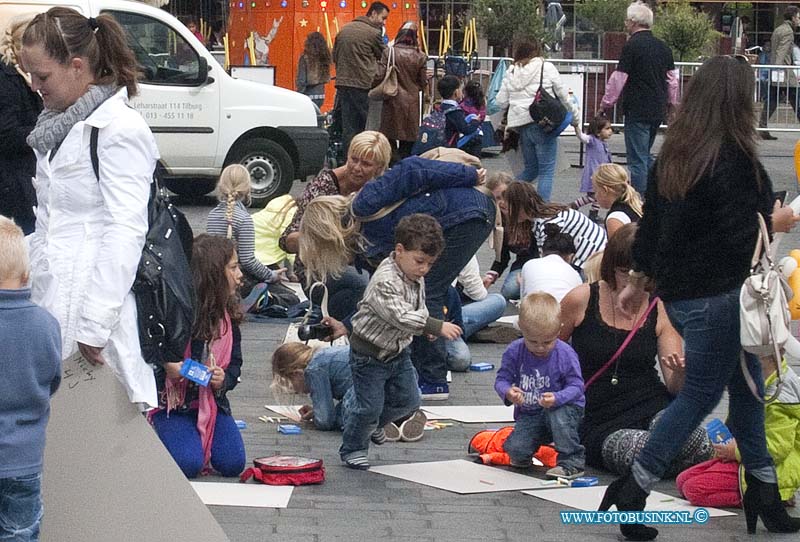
(541, 376)
(391, 312)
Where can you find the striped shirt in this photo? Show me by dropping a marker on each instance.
(244, 234)
(588, 236)
(391, 312)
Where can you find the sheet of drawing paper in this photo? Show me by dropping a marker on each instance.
(106, 474)
(588, 498)
(255, 495)
(460, 476)
(471, 414)
(291, 336)
(286, 411)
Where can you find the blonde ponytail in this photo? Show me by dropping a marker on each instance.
(615, 179)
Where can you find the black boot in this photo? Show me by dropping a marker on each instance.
(626, 494)
(767, 136)
(762, 499)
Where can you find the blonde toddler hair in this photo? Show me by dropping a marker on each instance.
(540, 311)
(13, 252)
(233, 186)
(287, 360)
(615, 179)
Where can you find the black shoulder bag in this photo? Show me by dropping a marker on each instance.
(545, 110)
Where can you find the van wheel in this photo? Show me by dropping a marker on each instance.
(271, 169)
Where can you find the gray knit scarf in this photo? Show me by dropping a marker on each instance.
(53, 126)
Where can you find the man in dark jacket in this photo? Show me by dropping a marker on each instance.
(358, 47)
(782, 43)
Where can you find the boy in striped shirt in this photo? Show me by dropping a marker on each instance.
(391, 312)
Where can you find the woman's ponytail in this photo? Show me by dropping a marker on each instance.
(116, 63)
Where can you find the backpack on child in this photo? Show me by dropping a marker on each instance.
(432, 132)
(163, 286)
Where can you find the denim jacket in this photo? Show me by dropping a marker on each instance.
(328, 378)
(443, 190)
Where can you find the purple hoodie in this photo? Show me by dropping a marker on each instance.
(559, 372)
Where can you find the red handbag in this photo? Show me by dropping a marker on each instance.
(285, 470)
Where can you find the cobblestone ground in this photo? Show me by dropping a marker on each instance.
(357, 506)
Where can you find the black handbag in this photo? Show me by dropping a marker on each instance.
(545, 110)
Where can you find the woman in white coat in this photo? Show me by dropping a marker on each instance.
(89, 232)
(517, 91)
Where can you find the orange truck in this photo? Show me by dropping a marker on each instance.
(284, 24)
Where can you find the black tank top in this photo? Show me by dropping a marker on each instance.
(595, 341)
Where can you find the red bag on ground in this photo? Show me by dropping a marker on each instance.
(489, 444)
(285, 470)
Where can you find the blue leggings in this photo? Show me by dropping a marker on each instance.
(180, 436)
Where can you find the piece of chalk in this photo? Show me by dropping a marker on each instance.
(487, 482)
(668, 500)
(549, 482)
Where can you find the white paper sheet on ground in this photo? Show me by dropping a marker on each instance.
(511, 319)
(460, 476)
(291, 336)
(471, 414)
(588, 498)
(286, 411)
(105, 469)
(253, 495)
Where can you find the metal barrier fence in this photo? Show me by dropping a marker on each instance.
(776, 101)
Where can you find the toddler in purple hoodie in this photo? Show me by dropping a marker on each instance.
(541, 376)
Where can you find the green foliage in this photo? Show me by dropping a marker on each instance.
(688, 31)
(503, 21)
(603, 15)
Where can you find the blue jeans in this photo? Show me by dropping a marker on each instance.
(539, 150)
(384, 391)
(460, 243)
(558, 425)
(510, 288)
(710, 328)
(639, 138)
(21, 507)
(475, 315)
(180, 436)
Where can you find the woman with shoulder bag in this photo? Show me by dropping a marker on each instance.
(519, 88)
(90, 228)
(694, 243)
(400, 113)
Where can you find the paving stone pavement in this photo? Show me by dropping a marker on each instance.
(360, 506)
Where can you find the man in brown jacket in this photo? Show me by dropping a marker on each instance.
(358, 48)
(781, 80)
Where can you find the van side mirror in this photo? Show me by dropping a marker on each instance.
(202, 72)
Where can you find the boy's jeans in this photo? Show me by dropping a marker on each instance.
(536, 428)
(20, 508)
(384, 391)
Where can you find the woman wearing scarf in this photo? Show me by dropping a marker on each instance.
(194, 422)
(19, 107)
(89, 231)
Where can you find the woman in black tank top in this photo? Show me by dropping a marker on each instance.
(622, 402)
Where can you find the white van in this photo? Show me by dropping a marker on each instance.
(202, 118)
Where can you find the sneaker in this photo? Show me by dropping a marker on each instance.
(359, 462)
(767, 136)
(500, 334)
(378, 436)
(392, 432)
(412, 429)
(568, 473)
(524, 465)
(434, 392)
